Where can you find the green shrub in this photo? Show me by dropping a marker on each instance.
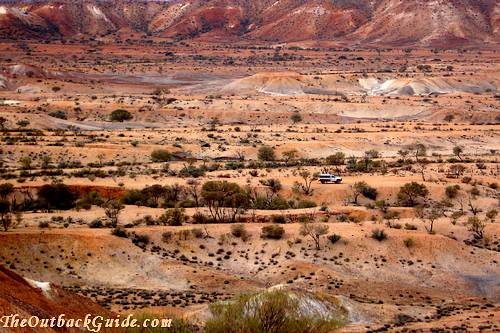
(409, 242)
(279, 219)
(167, 236)
(161, 155)
(239, 230)
(119, 232)
(306, 204)
(95, 224)
(200, 218)
(58, 114)
(379, 234)
(133, 197)
(120, 115)
(43, 225)
(409, 226)
(273, 311)
(266, 154)
(334, 238)
(410, 193)
(272, 231)
(197, 233)
(173, 217)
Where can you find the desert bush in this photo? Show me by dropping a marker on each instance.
(192, 171)
(342, 217)
(197, 233)
(140, 240)
(336, 159)
(112, 209)
(161, 155)
(43, 224)
(379, 234)
(266, 153)
(119, 232)
(58, 114)
(167, 236)
(56, 196)
(200, 218)
(334, 238)
(314, 230)
(173, 217)
(238, 230)
(6, 220)
(492, 214)
(272, 231)
(409, 226)
(133, 197)
(409, 242)
(362, 188)
(278, 219)
(120, 115)
(89, 199)
(306, 204)
(95, 224)
(476, 226)
(277, 203)
(452, 191)
(273, 311)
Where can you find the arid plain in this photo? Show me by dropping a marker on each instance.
(185, 173)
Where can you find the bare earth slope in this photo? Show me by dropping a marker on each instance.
(32, 298)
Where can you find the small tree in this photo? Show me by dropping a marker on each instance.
(26, 163)
(404, 154)
(289, 156)
(112, 210)
(457, 150)
(56, 196)
(5, 215)
(307, 179)
(430, 214)
(315, 231)
(214, 123)
(417, 150)
(476, 226)
(296, 117)
(410, 193)
(224, 200)
(5, 190)
(362, 188)
(273, 185)
(193, 188)
(457, 170)
(3, 121)
(266, 154)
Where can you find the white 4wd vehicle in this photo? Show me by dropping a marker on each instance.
(328, 178)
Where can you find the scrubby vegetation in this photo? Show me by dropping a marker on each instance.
(273, 311)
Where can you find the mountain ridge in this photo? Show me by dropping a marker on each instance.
(435, 23)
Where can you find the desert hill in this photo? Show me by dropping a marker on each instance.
(33, 298)
(443, 23)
